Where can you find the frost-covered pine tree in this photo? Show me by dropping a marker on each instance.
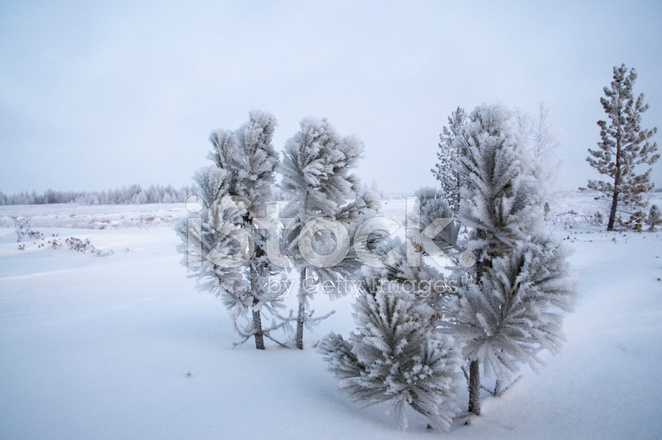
(542, 142)
(223, 248)
(513, 309)
(501, 197)
(446, 170)
(396, 355)
(654, 218)
(325, 202)
(624, 145)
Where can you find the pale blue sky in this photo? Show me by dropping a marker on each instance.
(96, 95)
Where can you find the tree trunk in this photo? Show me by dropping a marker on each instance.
(302, 311)
(612, 212)
(617, 179)
(474, 366)
(474, 387)
(300, 321)
(257, 317)
(257, 327)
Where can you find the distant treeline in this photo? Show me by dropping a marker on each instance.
(130, 195)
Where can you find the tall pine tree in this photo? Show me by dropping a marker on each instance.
(322, 191)
(509, 312)
(623, 146)
(223, 248)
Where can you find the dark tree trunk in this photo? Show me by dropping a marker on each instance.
(301, 318)
(300, 321)
(257, 325)
(474, 387)
(617, 179)
(612, 212)
(257, 317)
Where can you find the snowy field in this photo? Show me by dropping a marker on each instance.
(116, 343)
(94, 216)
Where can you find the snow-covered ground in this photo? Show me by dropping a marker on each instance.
(94, 216)
(122, 346)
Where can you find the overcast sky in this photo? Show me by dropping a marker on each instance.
(96, 95)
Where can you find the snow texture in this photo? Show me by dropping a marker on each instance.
(124, 347)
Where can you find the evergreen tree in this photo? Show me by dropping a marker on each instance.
(507, 314)
(624, 145)
(445, 170)
(317, 180)
(396, 355)
(654, 217)
(541, 141)
(501, 198)
(232, 260)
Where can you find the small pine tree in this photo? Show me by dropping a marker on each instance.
(654, 218)
(317, 180)
(445, 170)
(234, 192)
(396, 355)
(624, 145)
(22, 227)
